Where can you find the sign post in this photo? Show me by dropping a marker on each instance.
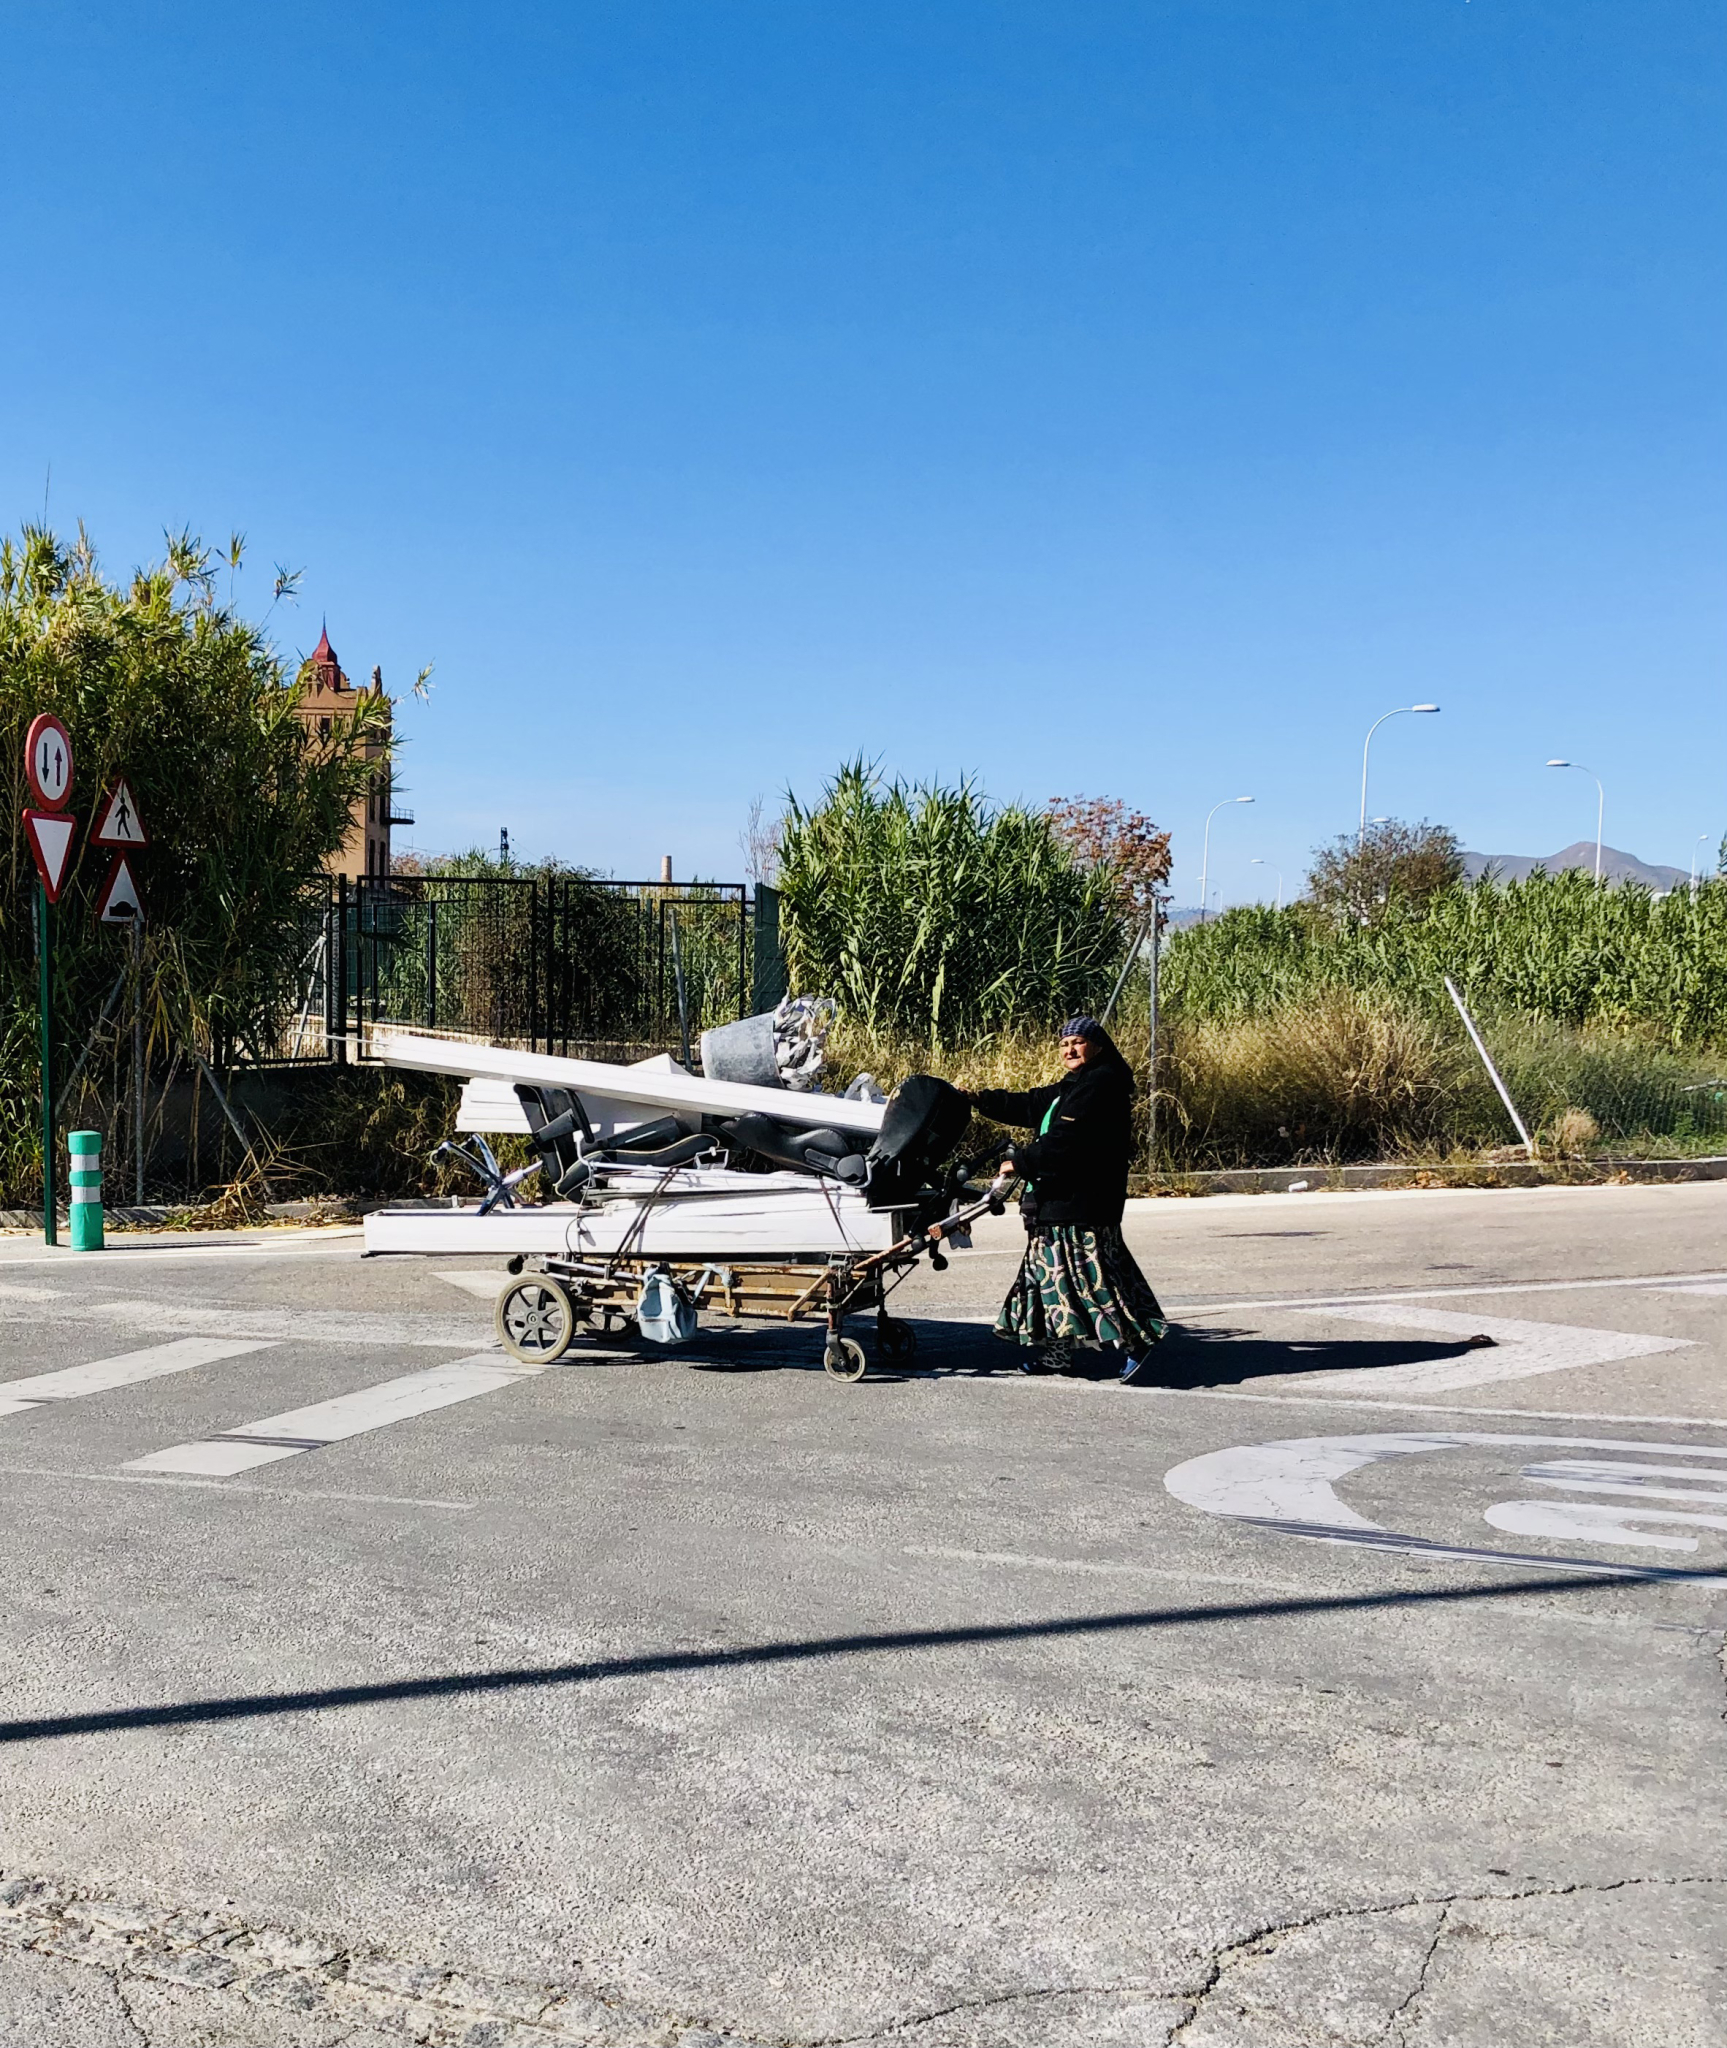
(44, 941)
(48, 771)
(120, 901)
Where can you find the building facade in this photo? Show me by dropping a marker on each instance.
(327, 697)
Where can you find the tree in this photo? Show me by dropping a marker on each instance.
(1358, 879)
(1104, 833)
(243, 801)
(759, 843)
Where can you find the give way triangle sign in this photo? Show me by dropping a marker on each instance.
(50, 834)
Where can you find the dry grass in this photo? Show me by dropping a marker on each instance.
(1572, 1133)
(1344, 1076)
(1340, 1077)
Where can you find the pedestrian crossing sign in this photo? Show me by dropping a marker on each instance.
(117, 821)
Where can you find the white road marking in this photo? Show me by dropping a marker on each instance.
(271, 1325)
(57, 1473)
(1027, 1561)
(486, 1286)
(1617, 1475)
(348, 1415)
(1289, 1486)
(1597, 1522)
(1660, 1282)
(1695, 1287)
(347, 1244)
(73, 1382)
(1431, 1407)
(1520, 1350)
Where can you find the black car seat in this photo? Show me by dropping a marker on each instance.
(924, 1120)
(833, 1154)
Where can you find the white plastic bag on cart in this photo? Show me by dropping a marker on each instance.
(664, 1314)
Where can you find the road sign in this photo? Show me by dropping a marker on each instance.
(119, 901)
(117, 819)
(48, 762)
(51, 834)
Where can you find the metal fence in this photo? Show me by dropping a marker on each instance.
(560, 963)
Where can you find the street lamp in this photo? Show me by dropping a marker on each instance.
(1700, 839)
(1278, 872)
(1366, 743)
(1600, 803)
(1205, 858)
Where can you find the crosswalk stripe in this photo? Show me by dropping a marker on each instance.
(486, 1286)
(72, 1382)
(329, 1422)
(422, 1330)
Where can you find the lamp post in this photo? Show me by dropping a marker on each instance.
(1700, 839)
(1205, 856)
(1278, 872)
(1366, 743)
(1600, 803)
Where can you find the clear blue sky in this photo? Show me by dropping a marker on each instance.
(1120, 399)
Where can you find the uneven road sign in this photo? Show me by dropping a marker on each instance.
(118, 901)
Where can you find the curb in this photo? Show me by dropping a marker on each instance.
(1511, 1173)
(31, 1219)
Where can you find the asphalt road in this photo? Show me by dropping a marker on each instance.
(1356, 1683)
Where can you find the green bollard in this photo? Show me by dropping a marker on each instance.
(86, 1150)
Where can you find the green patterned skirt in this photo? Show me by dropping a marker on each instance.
(1078, 1284)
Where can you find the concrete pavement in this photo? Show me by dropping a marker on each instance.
(698, 1699)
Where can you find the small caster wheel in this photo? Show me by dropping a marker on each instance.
(896, 1340)
(535, 1320)
(844, 1358)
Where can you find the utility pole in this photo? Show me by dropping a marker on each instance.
(1151, 1057)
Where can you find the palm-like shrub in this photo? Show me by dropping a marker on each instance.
(155, 680)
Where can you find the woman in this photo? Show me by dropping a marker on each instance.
(1078, 1284)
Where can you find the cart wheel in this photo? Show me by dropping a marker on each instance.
(896, 1339)
(535, 1320)
(844, 1358)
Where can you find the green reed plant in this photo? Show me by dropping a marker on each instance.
(926, 913)
(1555, 946)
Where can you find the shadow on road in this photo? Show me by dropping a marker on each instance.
(1224, 1358)
(810, 1650)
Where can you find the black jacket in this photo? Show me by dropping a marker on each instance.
(1078, 1168)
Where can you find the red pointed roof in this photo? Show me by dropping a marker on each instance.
(324, 654)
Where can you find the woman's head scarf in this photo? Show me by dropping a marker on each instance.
(1089, 1027)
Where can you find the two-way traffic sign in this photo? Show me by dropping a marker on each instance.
(48, 762)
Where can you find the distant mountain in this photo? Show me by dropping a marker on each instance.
(1615, 866)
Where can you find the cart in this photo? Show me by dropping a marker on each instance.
(550, 1299)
